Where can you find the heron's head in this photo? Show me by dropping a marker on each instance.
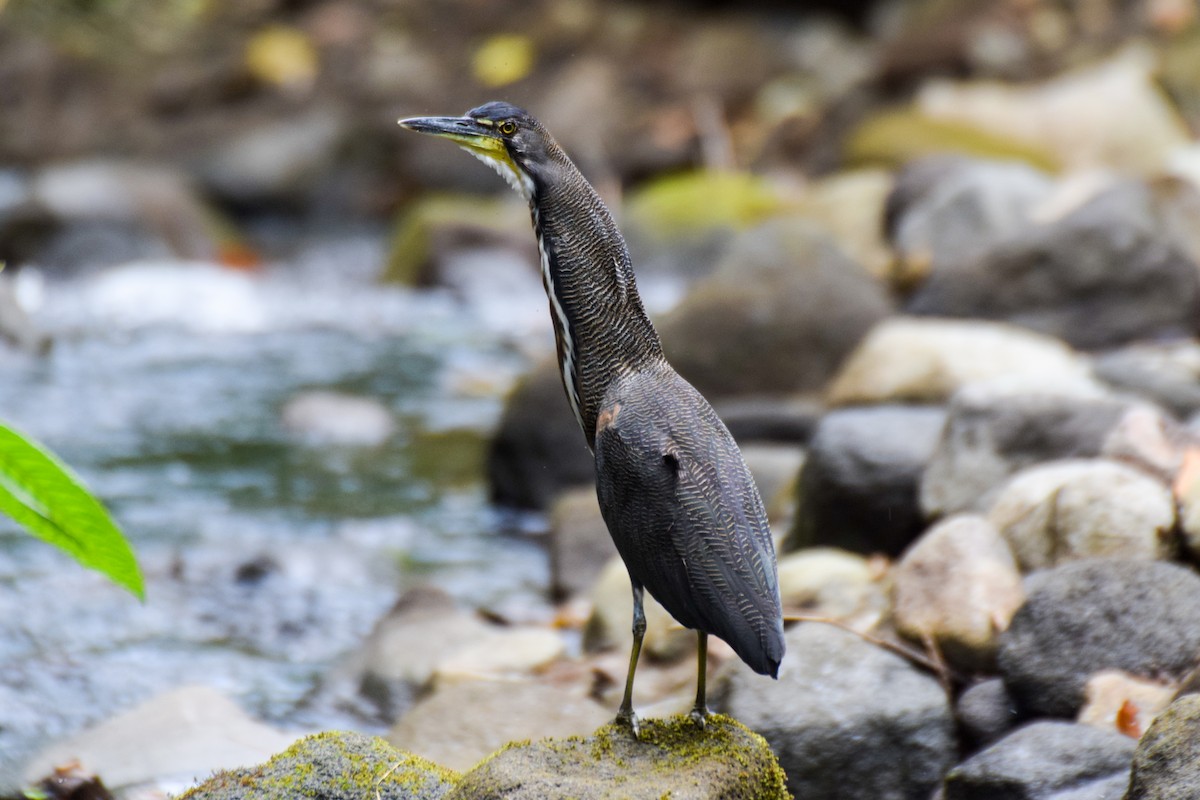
(499, 134)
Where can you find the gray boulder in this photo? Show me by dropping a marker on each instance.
(1098, 277)
(579, 542)
(846, 718)
(538, 449)
(1046, 760)
(985, 712)
(673, 758)
(858, 487)
(779, 314)
(1166, 764)
(1166, 373)
(991, 432)
(1086, 616)
(337, 765)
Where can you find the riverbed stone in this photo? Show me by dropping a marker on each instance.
(1046, 760)
(336, 765)
(779, 314)
(1167, 373)
(610, 623)
(828, 582)
(958, 585)
(858, 487)
(910, 360)
(985, 713)
(846, 718)
(1093, 278)
(335, 418)
(462, 722)
(400, 656)
(1186, 488)
(579, 542)
(1166, 764)
(994, 430)
(672, 758)
(164, 742)
(1098, 614)
(1067, 510)
(775, 469)
(538, 449)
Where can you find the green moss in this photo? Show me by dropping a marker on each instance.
(682, 204)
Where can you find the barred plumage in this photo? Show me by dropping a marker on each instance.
(674, 490)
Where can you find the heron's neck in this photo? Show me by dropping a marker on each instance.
(600, 325)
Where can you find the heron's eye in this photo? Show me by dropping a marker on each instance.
(508, 127)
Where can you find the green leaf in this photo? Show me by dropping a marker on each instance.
(47, 499)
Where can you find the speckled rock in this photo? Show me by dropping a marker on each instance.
(1067, 510)
(337, 765)
(1046, 760)
(1166, 764)
(673, 758)
(993, 431)
(779, 314)
(1087, 616)
(538, 449)
(985, 713)
(909, 360)
(858, 487)
(959, 585)
(846, 718)
(463, 722)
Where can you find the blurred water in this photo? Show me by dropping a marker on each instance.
(267, 557)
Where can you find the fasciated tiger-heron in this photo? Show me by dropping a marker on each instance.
(674, 490)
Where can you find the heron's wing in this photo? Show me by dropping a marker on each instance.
(685, 514)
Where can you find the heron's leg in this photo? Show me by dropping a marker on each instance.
(625, 713)
(700, 710)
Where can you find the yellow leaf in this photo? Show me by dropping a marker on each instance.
(503, 59)
(282, 56)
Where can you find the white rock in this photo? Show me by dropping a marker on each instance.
(1126, 703)
(168, 741)
(827, 582)
(611, 622)
(332, 418)
(910, 359)
(501, 652)
(1065, 510)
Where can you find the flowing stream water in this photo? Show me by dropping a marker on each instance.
(267, 556)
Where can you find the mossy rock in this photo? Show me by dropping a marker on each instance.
(413, 242)
(672, 759)
(689, 203)
(336, 765)
(894, 138)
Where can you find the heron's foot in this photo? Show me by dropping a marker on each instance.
(699, 715)
(626, 718)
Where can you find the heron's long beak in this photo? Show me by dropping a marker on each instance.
(461, 130)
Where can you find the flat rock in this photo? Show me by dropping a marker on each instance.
(909, 360)
(164, 742)
(1067, 510)
(463, 722)
(858, 487)
(538, 449)
(993, 431)
(504, 651)
(337, 765)
(1166, 764)
(958, 585)
(1045, 760)
(1099, 614)
(779, 314)
(672, 758)
(846, 718)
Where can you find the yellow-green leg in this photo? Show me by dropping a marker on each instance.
(625, 715)
(700, 710)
